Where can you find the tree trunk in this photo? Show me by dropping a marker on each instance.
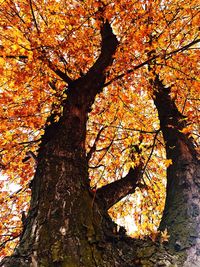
(64, 223)
(182, 209)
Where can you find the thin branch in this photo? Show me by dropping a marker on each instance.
(93, 148)
(18, 57)
(45, 21)
(130, 71)
(29, 142)
(53, 67)
(150, 155)
(128, 129)
(106, 149)
(2, 245)
(14, 9)
(96, 167)
(57, 71)
(146, 62)
(183, 48)
(33, 15)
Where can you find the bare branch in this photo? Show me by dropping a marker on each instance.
(183, 48)
(172, 122)
(94, 79)
(18, 57)
(128, 129)
(109, 44)
(30, 155)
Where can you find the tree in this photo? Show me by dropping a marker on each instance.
(105, 86)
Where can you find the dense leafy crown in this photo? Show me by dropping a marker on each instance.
(40, 38)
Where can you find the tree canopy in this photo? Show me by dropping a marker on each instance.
(45, 45)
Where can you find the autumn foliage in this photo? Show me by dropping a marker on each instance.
(40, 40)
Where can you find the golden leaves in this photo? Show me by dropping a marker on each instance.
(167, 163)
(68, 34)
(160, 236)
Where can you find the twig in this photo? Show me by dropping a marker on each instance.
(153, 146)
(33, 15)
(93, 148)
(2, 245)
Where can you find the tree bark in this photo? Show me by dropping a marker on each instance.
(182, 209)
(115, 191)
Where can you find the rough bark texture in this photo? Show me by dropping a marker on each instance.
(182, 210)
(114, 192)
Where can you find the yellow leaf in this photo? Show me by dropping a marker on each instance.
(164, 236)
(186, 130)
(15, 47)
(167, 163)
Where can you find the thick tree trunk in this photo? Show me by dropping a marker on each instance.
(182, 210)
(64, 224)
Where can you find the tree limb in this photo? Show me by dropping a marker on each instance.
(172, 122)
(115, 191)
(11, 238)
(57, 71)
(149, 60)
(94, 79)
(93, 148)
(150, 155)
(33, 15)
(18, 57)
(109, 45)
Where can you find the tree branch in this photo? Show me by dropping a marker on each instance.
(18, 57)
(11, 238)
(94, 79)
(44, 58)
(53, 67)
(57, 71)
(150, 155)
(115, 191)
(93, 148)
(149, 60)
(33, 15)
(109, 45)
(172, 122)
